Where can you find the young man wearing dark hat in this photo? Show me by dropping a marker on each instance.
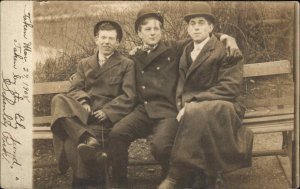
(210, 138)
(156, 78)
(102, 92)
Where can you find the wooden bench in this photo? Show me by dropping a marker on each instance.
(262, 115)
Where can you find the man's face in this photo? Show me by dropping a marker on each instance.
(150, 33)
(107, 41)
(199, 29)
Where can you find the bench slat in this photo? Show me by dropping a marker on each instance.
(267, 68)
(250, 70)
(271, 128)
(269, 119)
(255, 116)
(51, 87)
(253, 103)
(45, 133)
(42, 135)
(42, 120)
(270, 111)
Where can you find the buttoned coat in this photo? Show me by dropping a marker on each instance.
(156, 78)
(110, 88)
(211, 136)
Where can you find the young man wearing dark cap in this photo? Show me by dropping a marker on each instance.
(156, 78)
(102, 92)
(210, 138)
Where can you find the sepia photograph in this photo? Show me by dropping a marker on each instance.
(150, 94)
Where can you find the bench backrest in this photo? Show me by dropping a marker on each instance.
(250, 70)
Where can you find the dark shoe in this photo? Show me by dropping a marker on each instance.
(199, 181)
(164, 172)
(168, 183)
(120, 183)
(88, 150)
(216, 182)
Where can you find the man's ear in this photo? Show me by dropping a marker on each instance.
(117, 43)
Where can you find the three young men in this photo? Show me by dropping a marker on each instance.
(105, 93)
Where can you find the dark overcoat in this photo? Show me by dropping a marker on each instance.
(110, 88)
(211, 136)
(156, 78)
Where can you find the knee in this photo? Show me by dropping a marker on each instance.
(57, 98)
(118, 133)
(114, 134)
(160, 151)
(221, 105)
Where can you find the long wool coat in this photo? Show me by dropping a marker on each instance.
(156, 78)
(110, 88)
(211, 136)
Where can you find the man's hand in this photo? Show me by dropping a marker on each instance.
(180, 114)
(232, 50)
(100, 115)
(87, 107)
(134, 50)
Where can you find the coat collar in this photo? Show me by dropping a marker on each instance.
(144, 61)
(203, 55)
(112, 61)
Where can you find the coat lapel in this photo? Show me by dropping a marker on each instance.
(152, 55)
(203, 55)
(93, 63)
(183, 66)
(111, 62)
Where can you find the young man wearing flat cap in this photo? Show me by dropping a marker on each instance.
(210, 138)
(102, 92)
(156, 78)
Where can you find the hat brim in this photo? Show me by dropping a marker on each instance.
(208, 16)
(148, 15)
(114, 23)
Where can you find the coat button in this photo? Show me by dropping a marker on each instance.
(145, 102)
(169, 58)
(142, 71)
(143, 87)
(158, 68)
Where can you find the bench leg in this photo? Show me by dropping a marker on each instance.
(290, 148)
(284, 140)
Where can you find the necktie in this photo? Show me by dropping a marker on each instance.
(147, 49)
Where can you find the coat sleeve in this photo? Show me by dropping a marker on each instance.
(123, 104)
(77, 88)
(228, 83)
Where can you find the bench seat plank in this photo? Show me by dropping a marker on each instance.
(285, 113)
(267, 68)
(51, 87)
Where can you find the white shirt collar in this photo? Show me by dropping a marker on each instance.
(199, 46)
(102, 57)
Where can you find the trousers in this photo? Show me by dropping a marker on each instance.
(136, 125)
